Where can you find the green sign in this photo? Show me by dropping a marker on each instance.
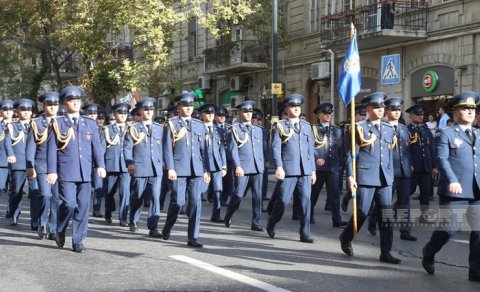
(430, 81)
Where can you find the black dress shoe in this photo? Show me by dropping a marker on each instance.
(42, 232)
(165, 234)
(255, 227)
(295, 217)
(216, 220)
(60, 239)
(474, 278)
(428, 263)
(327, 208)
(7, 215)
(270, 230)
(372, 229)
(312, 220)
(223, 204)
(133, 227)
(108, 217)
(79, 247)
(154, 233)
(386, 257)
(203, 199)
(266, 198)
(194, 243)
(227, 220)
(307, 239)
(52, 236)
(123, 223)
(344, 204)
(407, 236)
(34, 226)
(13, 221)
(97, 215)
(346, 246)
(339, 224)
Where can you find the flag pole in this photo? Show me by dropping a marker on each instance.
(352, 145)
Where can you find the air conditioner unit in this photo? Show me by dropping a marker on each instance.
(235, 83)
(236, 100)
(203, 82)
(320, 70)
(162, 102)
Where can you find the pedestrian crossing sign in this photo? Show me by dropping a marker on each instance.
(390, 69)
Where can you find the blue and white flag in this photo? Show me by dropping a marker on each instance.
(350, 79)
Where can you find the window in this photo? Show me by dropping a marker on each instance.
(347, 5)
(314, 15)
(192, 38)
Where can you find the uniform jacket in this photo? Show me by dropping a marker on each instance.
(245, 149)
(421, 148)
(375, 159)
(402, 160)
(329, 147)
(20, 132)
(216, 150)
(189, 152)
(223, 132)
(36, 152)
(146, 154)
(294, 154)
(5, 145)
(458, 161)
(114, 157)
(75, 162)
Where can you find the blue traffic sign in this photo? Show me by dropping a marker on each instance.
(390, 73)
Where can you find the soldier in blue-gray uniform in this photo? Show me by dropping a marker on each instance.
(294, 162)
(374, 175)
(329, 156)
(73, 150)
(6, 151)
(217, 158)
(459, 184)
(18, 133)
(221, 116)
(421, 149)
(186, 159)
(245, 148)
(118, 178)
(45, 194)
(144, 154)
(92, 110)
(257, 120)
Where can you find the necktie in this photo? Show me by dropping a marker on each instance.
(326, 129)
(249, 129)
(378, 129)
(470, 135)
(210, 131)
(75, 122)
(149, 129)
(187, 123)
(120, 129)
(297, 127)
(25, 126)
(396, 129)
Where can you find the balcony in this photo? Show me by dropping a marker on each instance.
(377, 25)
(239, 56)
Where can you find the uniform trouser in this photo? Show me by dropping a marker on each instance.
(333, 193)
(401, 185)
(118, 181)
(146, 188)
(424, 181)
(74, 204)
(44, 202)
(296, 204)
(3, 179)
(166, 187)
(303, 185)
(264, 184)
(456, 209)
(192, 187)
(366, 196)
(241, 183)
(98, 192)
(17, 182)
(216, 183)
(228, 182)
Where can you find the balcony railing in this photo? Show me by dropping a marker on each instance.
(400, 16)
(234, 53)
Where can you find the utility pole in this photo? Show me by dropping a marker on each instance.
(274, 58)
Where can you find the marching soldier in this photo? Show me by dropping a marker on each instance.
(402, 165)
(91, 110)
(6, 151)
(293, 157)
(18, 132)
(216, 156)
(221, 116)
(118, 177)
(245, 147)
(459, 184)
(144, 154)
(186, 160)
(328, 159)
(36, 153)
(257, 120)
(374, 178)
(421, 149)
(73, 150)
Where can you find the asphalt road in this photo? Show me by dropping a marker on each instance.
(233, 259)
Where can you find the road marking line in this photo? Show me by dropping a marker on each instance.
(229, 274)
